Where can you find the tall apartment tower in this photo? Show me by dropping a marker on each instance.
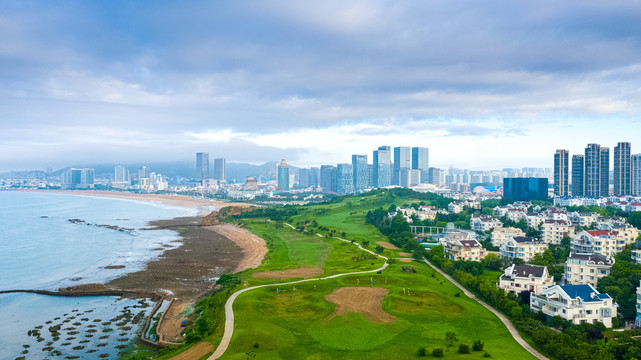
(202, 166)
(328, 178)
(421, 162)
(597, 171)
(578, 173)
(219, 169)
(382, 166)
(344, 179)
(283, 175)
(120, 174)
(636, 174)
(402, 162)
(622, 169)
(360, 172)
(561, 169)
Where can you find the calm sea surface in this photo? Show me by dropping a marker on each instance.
(41, 249)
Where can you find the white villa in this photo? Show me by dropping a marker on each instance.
(519, 278)
(576, 303)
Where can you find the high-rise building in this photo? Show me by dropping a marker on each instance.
(303, 178)
(370, 176)
(219, 169)
(344, 179)
(382, 166)
(410, 177)
(561, 179)
(578, 173)
(202, 166)
(525, 189)
(597, 171)
(622, 170)
(434, 176)
(636, 174)
(359, 165)
(283, 175)
(120, 174)
(402, 161)
(421, 161)
(605, 171)
(313, 176)
(328, 178)
(78, 178)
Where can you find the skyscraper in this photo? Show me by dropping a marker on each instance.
(78, 178)
(202, 166)
(359, 165)
(561, 179)
(578, 173)
(344, 179)
(421, 161)
(622, 171)
(219, 169)
(382, 166)
(525, 189)
(283, 175)
(402, 161)
(120, 174)
(328, 178)
(434, 176)
(636, 174)
(597, 170)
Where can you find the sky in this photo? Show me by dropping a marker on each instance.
(484, 85)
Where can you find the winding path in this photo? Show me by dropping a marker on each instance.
(515, 334)
(229, 305)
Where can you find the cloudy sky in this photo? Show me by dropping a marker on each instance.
(484, 85)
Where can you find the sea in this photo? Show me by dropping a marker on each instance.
(54, 240)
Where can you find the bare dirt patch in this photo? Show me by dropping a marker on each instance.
(288, 274)
(387, 245)
(405, 254)
(365, 300)
(405, 260)
(254, 247)
(195, 352)
(169, 329)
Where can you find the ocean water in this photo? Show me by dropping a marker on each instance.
(41, 249)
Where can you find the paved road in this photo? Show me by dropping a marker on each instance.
(229, 305)
(504, 319)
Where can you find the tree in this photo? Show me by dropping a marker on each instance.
(492, 262)
(450, 338)
(438, 352)
(463, 349)
(379, 249)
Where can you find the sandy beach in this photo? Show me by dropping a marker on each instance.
(167, 199)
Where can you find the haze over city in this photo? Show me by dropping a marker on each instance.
(484, 86)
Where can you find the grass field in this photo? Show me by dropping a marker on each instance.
(292, 325)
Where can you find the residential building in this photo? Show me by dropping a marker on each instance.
(622, 169)
(525, 189)
(637, 321)
(421, 162)
(382, 166)
(121, 177)
(251, 183)
(482, 223)
(344, 179)
(360, 172)
(578, 174)
(501, 235)
(584, 219)
(202, 166)
(462, 246)
(410, 177)
(519, 278)
(601, 242)
(597, 170)
(434, 176)
(219, 169)
(636, 174)
(522, 247)
(402, 162)
(78, 178)
(561, 179)
(586, 268)
(576, 303)
(283, 175)
(328, 178)
(553, 231)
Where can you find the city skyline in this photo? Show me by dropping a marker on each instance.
(108, 82)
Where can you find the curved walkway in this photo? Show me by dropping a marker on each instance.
(515, 334)
(229, 305)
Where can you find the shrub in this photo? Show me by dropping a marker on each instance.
(422, 351)
(438, 352)
(463, 349)
(458, 294)
(477, 346)
(486, 355)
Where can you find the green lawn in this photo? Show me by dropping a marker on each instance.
(293, 325)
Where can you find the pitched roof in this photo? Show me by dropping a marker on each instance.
(585, 292)
(470, 243)
(596, 258)
(528, 270)
(600, 233)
